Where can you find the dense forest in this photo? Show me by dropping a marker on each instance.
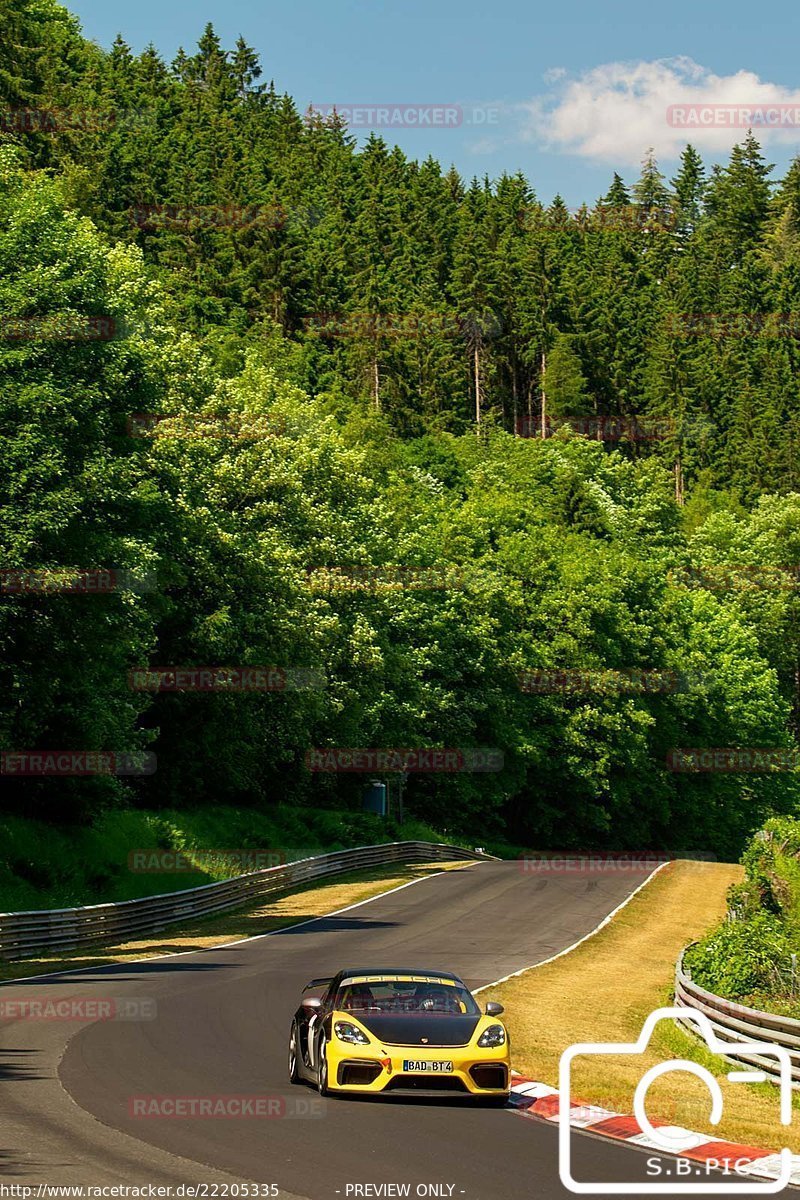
(483, 473)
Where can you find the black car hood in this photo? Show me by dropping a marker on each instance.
(424, 1029)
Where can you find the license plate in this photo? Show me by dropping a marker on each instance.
(427, 1068)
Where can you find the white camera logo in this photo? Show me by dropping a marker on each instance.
(672, 1138)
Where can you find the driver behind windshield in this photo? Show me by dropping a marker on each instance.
(404, 997)
(358, 998)
(431, 998)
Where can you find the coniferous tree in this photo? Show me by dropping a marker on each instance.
(475, 286)
(564, 382)
(689, 189)
(739, 197)
(617, 195)
(650, 193)
(246, 68)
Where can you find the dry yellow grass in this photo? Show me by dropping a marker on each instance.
(604, 990)
(315, 900)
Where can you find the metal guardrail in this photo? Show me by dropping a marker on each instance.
(25, 934)
(731, 1022)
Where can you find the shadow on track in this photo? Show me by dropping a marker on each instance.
(319, 925)
(10, 1069)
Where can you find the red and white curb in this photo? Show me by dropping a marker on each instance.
(532, 1099)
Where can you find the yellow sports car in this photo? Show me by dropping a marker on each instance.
(378, 1032)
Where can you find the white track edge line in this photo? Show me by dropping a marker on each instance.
(580, 941)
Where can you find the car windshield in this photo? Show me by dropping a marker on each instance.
(406, 996)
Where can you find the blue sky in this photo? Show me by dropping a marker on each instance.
(565, 92)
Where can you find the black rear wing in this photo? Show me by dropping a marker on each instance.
(316, 983)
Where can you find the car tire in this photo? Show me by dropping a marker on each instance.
(322, 1070)
(294, 1050)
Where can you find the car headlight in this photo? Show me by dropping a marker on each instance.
(494, 1035)
(346, 1032)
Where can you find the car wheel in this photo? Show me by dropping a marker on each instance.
(294, 1043)
(322, 1073)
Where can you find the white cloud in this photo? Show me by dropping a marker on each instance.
(483, 146)
(616, 111)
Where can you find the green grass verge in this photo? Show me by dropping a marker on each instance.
(47, 866)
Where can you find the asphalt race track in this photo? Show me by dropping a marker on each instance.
(220, 1028)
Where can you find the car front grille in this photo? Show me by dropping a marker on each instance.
(425, 1083)
(489, 1075)
(358, 1074)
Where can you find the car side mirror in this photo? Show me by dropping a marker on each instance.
(493, 1009)
(311, 1002)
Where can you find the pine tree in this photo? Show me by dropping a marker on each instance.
(246, 69)
(650, 193)
(617, 195)
(558, 213)
(782, 239)
(182, 66)
(739, 197)
(788, 193)
(689, 189)
(564, 381)
(474, 284)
